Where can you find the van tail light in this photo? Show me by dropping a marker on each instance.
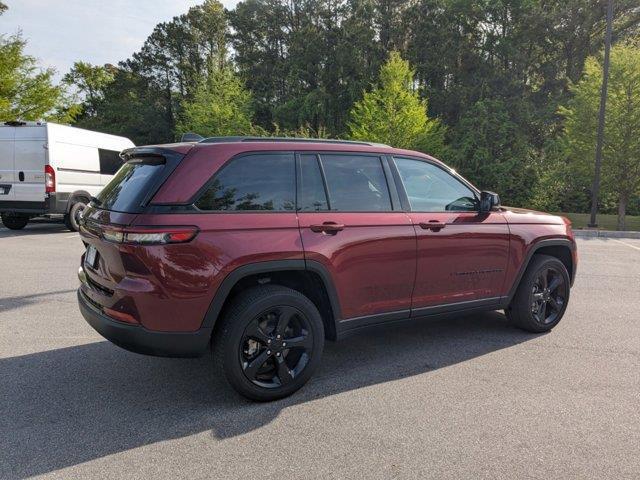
(149, 235)
(49, 179)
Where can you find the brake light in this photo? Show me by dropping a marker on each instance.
(49, 179)
(149, 235)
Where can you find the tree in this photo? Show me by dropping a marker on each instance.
(621, 152)
(90, 81)
(220, 106)
(393, 113)
(27, 92)
(3, 8)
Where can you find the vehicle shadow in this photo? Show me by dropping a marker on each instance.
(64, 407)
(36, 227)
(13, 303)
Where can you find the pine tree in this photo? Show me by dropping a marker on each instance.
(393, 113)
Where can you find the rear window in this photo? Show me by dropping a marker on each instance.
(127, 190)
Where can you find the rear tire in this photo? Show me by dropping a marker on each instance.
(14, 221)
(542, 296)
(269, 342)
(72, 219)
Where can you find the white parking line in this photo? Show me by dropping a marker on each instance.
(627, 244)
(73, 236)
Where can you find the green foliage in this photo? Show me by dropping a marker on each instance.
(494, 74)
(90, 81)
(491, 149)
(621, 151)
(393, 113)
(26, 92)
(220, 106)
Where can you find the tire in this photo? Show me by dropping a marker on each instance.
(14, 221)
(257, 363)
(542, 296)
(72, 218)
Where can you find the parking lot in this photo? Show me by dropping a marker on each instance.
(469, 397)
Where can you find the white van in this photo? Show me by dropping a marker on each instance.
(49, 169)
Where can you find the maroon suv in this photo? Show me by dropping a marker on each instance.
(264, 248)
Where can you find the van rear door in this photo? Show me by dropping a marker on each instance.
(30, 157)
(7, 143)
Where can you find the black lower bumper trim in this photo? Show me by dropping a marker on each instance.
(140, 340)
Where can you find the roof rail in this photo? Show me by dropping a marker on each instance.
(287, 139)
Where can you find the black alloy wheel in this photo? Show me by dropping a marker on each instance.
(548, 296)
(276, 347)
(269, 342)
(542, 295)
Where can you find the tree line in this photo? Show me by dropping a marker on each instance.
(505, 91)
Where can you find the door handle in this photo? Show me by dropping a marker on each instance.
(21, 176)
(327, 227)
(433, 225)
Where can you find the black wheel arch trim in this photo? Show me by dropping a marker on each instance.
(233, 277)
(552, 242)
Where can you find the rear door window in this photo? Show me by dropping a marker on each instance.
(356, 183)
(256, 182)
(131, 185)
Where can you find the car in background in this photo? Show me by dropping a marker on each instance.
(262, 249)
(53, 170)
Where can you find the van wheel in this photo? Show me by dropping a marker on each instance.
(72, 219)
(542, 296)
(269, 342)
(14, 221)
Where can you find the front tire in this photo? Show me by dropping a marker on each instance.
(14, 221)
(269, 342)
(542, 296)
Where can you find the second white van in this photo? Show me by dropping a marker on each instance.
(48, 169)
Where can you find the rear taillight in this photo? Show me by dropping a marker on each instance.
(49, 179)
(149, 235)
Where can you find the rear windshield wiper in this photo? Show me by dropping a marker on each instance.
(95, 200)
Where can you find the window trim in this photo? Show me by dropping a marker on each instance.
(404, 198)
(195, 197)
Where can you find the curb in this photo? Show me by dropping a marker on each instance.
(605, 234)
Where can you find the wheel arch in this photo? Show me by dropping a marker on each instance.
(75, 196)
(309, 277)
(560, 248)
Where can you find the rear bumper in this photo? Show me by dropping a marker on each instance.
(14, 206)
(53, 203)
(140, 340)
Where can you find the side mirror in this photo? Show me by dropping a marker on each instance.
(488, 200)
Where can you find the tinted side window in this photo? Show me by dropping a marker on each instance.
(356, 183)
(110, 161)
(431, 189)
(253, 182)
(311, 194)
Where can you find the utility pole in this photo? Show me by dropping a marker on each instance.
(595, 190)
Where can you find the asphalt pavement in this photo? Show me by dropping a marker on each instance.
(470, 397)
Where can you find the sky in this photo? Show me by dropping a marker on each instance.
(60, 32)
